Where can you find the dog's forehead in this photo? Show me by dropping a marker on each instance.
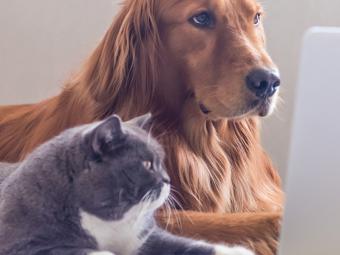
(248, 6)
(189, 7)
(245, 6)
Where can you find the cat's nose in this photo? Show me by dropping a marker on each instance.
(165, 178)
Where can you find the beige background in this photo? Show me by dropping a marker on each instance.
(43, 41)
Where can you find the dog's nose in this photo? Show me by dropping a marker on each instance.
(263, 83)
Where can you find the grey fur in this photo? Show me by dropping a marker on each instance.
(97, 169)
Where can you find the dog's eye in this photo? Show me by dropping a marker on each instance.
(147, 165)
(202, 19)
(257, 19)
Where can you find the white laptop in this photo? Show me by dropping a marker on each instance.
(311, 224)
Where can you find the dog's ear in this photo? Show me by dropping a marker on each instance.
(143, 121)
(105, 138)
(132, 46)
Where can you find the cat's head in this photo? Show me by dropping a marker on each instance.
(123, 169)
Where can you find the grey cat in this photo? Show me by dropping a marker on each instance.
(92, 190)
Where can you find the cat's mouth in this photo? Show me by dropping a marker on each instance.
(159, 196)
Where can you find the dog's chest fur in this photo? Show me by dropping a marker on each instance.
(123, 237)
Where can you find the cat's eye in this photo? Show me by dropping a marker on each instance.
(203, 20)
(147, 164)
(257, 19)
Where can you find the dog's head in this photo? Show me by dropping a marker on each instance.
(217, 48)
(163, 53)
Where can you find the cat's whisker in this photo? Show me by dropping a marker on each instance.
(167, 212)
(169, 205)
(178, 205)
(144, 205)
(169, 216)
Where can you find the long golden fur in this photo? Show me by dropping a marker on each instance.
(152, 59)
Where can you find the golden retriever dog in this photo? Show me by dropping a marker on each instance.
(201, 68)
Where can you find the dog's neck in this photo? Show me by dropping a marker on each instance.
(209, 158)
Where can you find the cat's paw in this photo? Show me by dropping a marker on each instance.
(236, 250)
(101, 253)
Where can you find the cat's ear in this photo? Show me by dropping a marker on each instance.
(143, 121)
(106, 137)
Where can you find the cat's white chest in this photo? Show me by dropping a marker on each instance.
(120, 237)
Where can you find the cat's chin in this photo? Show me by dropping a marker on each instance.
(109, 213)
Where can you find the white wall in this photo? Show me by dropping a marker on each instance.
(43, 41)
